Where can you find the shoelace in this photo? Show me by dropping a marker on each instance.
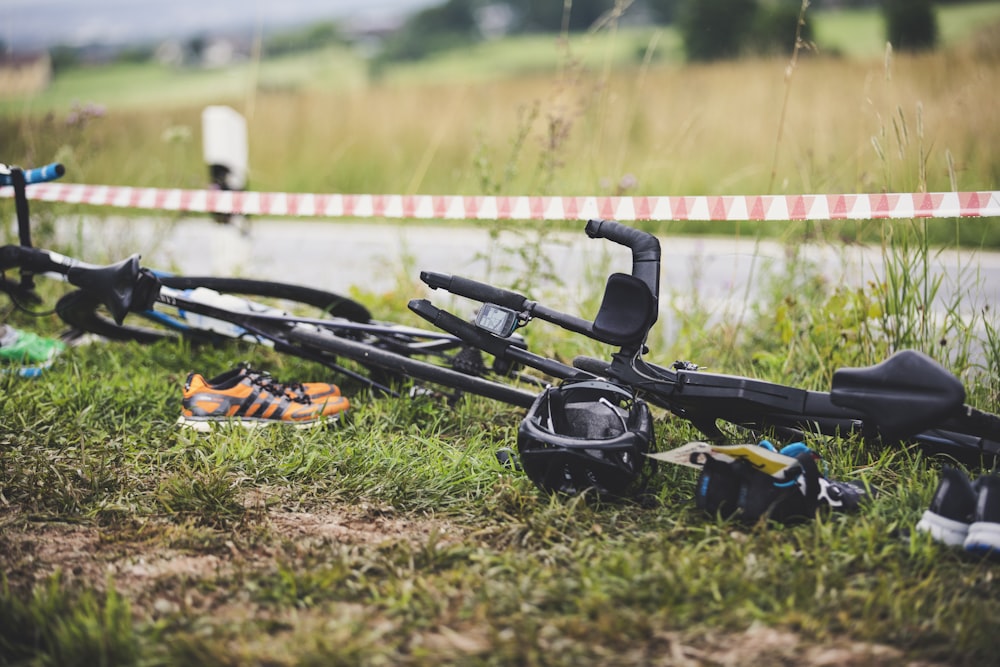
(293, 390)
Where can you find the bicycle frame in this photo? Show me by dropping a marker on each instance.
(907, 397)
(126, 287)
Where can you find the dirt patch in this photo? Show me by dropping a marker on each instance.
(160, 578)
(761, 645)
(139, 555)
(363, 525)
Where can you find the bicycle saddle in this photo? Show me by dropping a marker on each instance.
(903, 395)
(627, 311)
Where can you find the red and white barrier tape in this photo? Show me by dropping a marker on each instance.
(715, 208)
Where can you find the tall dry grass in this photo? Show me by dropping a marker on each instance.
(665, 130)
(652, 129)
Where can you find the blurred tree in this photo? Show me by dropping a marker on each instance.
(443, 26)
(63, 57)
(774, 27)
(547, 15)
(313, 36)
(715, 29)
(454, 23)
(196, 46)
(138, 53)
(458, 16)
(910, 25)
(664, 11)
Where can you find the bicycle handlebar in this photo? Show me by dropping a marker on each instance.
(49, 172)
(644, 246)
(645, 267)
(20, 179)
(475, 290)
(123, 287)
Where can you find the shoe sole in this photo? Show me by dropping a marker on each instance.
(983, 538)
(206, 425)
(941, 529)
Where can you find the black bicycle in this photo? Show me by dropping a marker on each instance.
(309, 323)
(907, 398)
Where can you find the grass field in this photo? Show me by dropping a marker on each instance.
(395, 537)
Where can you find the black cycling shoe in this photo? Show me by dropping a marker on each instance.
(740, 490)
(718, 489)
(842, 496)
(984, 530)
(951, 509)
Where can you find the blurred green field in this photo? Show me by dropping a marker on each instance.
(854, 33)
(611, 112)
(859, 33)
(340, 69)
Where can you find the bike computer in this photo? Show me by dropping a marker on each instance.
(497, 320)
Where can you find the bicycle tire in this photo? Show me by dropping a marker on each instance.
(370, 356)
(82, 310)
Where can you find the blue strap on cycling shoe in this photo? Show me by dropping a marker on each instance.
(737, 489)
(793, 450)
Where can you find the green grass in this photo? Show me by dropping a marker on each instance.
(396, 537)
(540, 54)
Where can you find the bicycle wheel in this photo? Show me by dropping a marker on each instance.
(83, 310)
(314, 343)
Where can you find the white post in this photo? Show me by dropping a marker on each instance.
(224, 144)
(225, 150)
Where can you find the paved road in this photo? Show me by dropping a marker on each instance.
(724, 273)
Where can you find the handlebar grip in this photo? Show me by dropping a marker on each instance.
(474, 290)
(645, 247)
(49, 172)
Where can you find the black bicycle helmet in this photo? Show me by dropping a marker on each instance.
(587, 434)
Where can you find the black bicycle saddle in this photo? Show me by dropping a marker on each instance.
(903, 395)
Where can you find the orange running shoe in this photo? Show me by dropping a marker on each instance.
(250, 400)
(315, 391)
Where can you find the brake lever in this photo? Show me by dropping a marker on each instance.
(20, 293)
